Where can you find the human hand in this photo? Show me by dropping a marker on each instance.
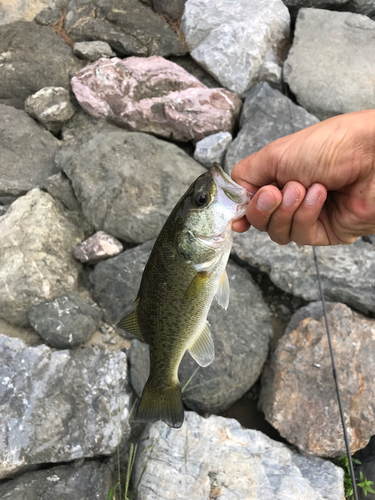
(326, 174)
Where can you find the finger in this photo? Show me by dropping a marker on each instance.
(262, 206)
(280, 225)
(307, 228)
(241, 225)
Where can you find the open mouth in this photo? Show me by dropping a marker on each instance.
(232, 190)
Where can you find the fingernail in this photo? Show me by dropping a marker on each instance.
(290, 195)
(313, 194)
(266, 201)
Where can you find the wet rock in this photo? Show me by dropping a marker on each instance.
(347, 271)
(238, 53)
(89, 481)
(212, 149)
(26, 151)
(60, 188)
(233, 463)
(91, 51)
(57, 406)
(339, 46)
(298, 394)
(154, 95)
(266, 115)
(51, 106)
(22, 10)
(100, 246)
(241, 334)
(36, 263)
(65, 322)
(127, 183)
(129, 27)
(48, 17)
(172, 9)
(32, 57)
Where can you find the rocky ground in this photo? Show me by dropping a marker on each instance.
(109, 110)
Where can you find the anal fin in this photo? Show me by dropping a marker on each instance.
(130, 324)
(223, 291)
(202, 350)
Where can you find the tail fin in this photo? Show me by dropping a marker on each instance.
(161, 404)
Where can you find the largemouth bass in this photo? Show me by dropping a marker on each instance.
(185, 271)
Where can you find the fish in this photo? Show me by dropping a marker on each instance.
(185, 271)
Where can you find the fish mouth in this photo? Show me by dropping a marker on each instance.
(233, 191)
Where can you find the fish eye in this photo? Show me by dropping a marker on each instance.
(201, 198)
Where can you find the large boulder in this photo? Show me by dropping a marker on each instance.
(331, 62)
(57, 406)
(24, 10)
(217, 458)
(32, 57)
(237, 42)
(155, 95)
(266, 115)
(129, 27)
(298, 393)
(347, 271)
(127, 182)
(26, 150)
(36, 264)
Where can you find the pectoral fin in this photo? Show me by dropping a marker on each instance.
(130, 324)
(223, 291)
(203, 350)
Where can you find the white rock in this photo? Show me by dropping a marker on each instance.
(212, 148)
(237, 42)
(91, 51)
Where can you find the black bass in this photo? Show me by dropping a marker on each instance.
(185, 271)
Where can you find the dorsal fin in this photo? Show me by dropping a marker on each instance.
(130, 324)
(223, 291)
(202, 350)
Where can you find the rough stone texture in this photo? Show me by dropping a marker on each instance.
(100, 246)
(91, 51)
(36, 263)
(51, 106)
(127, 25)
(241, 334)
(22, 10)
(171, 9)
(65, 322)
(188, 63)
(237, 42)
(347, 271)
(127, 183)
(266, 115)
(298, 394)
(312, 310)
(90, 481)
(60, 188)
(26, 152)
(57, 406)
(48, 17)
(154, 95)
(366, 7)
(340, 48)
(32, 57)
(217, 458)
(212, 148)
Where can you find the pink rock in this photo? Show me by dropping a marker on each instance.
(98, 247)
(155, 95)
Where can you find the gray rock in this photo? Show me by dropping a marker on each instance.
(80, 124)
(57, 406)
(100, 246)
(32, 57)
(238, 53)
(48, 17)
(339, 46)
(188, 63)
(51, 106)
(91, 51)
(172, 9)
(366, 7)
(212, 149)
(217, 458)
(298, 393)
(89, 481)
(127, 183)
(19, 10)
(267, 115)
(128, 26)
(312, 310)
(241, 334)
(60, 188)
(347, 271)
(3, 210)
(36, 263)
(26, 151)
(65, 322)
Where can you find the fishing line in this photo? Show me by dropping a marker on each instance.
(334, 372)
